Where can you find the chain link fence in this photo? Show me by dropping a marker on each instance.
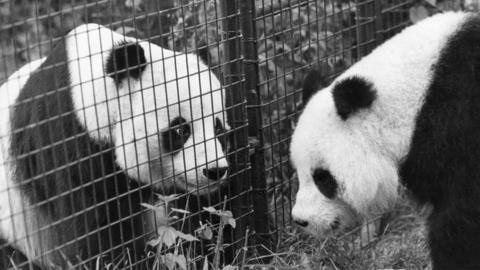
(93, 196)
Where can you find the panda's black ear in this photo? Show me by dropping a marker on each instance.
(204, 55)
(126, 60)
(313, 82)
(352, 94)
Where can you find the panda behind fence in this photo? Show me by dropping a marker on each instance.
(85, 133)
(406, 115)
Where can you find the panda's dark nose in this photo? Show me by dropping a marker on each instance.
(215, 173)
(300, 222)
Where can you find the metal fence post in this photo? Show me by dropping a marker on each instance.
(232, 69)
(260, 216)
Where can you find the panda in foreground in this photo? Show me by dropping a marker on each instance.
(407, 115)
(86, 131)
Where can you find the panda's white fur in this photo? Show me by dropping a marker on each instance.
(368, 148)
(129, 115)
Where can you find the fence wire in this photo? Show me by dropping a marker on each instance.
(293, 37)
(118, 154)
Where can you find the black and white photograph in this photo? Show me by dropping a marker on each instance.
(239, 134)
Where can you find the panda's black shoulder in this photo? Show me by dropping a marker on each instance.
(445, 145)
(51, 75)
(43, 120)
(442, 168)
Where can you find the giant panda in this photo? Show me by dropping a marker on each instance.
(406, 117)
(90, 131)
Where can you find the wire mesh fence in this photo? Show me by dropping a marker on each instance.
(296, 36)
(157, 136)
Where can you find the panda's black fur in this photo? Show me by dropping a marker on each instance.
(73, 179)
(442, 168)
(433, 149)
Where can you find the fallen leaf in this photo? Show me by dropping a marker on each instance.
(186, 237)
(205, 232)
(167, 235)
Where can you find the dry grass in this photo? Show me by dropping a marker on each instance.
(401, 246)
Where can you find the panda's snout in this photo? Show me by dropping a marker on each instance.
(216, 173)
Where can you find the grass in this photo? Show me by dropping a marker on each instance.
(401, 246)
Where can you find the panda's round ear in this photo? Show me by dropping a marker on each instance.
(313, 82)
(126, 59)
(352, 94)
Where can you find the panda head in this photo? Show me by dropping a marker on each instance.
(162, 111)
(340, 171)
(338, 151)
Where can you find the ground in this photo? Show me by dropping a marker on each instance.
(401, 246)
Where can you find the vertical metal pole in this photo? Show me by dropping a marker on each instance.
(260, 216)
(233, 75)
(244, 100)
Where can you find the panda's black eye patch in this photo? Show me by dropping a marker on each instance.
(325, 182)
(176, 135)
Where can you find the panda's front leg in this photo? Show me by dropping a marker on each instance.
(454, 239)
